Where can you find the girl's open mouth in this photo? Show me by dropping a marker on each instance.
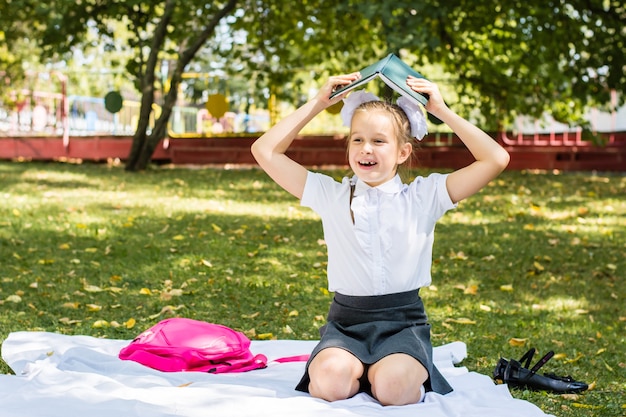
(367, 163)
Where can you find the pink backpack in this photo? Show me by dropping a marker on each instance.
(180, 344)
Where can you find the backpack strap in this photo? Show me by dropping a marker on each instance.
(352, 186)
(296, 358)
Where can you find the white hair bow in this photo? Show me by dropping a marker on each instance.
(414, 112)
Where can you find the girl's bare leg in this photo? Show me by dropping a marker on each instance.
(397, 379)
(335, 374)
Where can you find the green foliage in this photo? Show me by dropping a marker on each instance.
(530, 57)
(523, 57)
(535, 259)
(518, 58)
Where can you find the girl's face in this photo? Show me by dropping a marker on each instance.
(373, 150)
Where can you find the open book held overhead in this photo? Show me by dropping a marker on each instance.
(394, 72)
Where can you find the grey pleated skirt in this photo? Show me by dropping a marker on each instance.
(373, 327)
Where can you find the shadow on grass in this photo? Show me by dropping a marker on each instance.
(535, 258)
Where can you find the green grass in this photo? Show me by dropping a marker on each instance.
(535, 259)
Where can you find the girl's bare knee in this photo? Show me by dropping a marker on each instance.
(397, 380)
(334, 375)
(394, 391)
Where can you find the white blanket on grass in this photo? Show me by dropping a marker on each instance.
(58, 375)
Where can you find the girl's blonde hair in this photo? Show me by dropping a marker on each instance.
(400, 122)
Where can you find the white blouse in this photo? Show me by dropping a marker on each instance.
(388, 248)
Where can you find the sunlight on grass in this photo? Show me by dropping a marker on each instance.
(56, 179)
(537, 258)
(571, 305)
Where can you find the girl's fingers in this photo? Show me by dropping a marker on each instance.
(336, 82)
(340, 80)
(420, 84)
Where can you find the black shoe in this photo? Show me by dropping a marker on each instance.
(515, 375)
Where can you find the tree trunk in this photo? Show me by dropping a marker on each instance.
(148, 143)
(144, 144)
(141, 138)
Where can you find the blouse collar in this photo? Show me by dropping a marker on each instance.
(392, 186)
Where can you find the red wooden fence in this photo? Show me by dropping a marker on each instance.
(560, 151)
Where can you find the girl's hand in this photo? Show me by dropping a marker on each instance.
(490, 157)
(435, 105)
(334, 83)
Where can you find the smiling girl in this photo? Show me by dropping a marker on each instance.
(379, 234)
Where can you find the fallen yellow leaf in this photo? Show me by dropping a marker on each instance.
(115, 278)
(68, 321)
(458, 255)
(576, 359)
(472, 290)
(558, 343)
(514, 341)
(461, 320)
(168, 309)
(14, 298)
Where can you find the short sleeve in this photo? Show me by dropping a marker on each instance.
(310, 190)
(433, 195)
(321, 191)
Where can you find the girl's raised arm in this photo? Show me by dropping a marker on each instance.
(269, 150)
(491, 158)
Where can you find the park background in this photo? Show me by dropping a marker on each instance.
(107, 249)
(545, 79)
